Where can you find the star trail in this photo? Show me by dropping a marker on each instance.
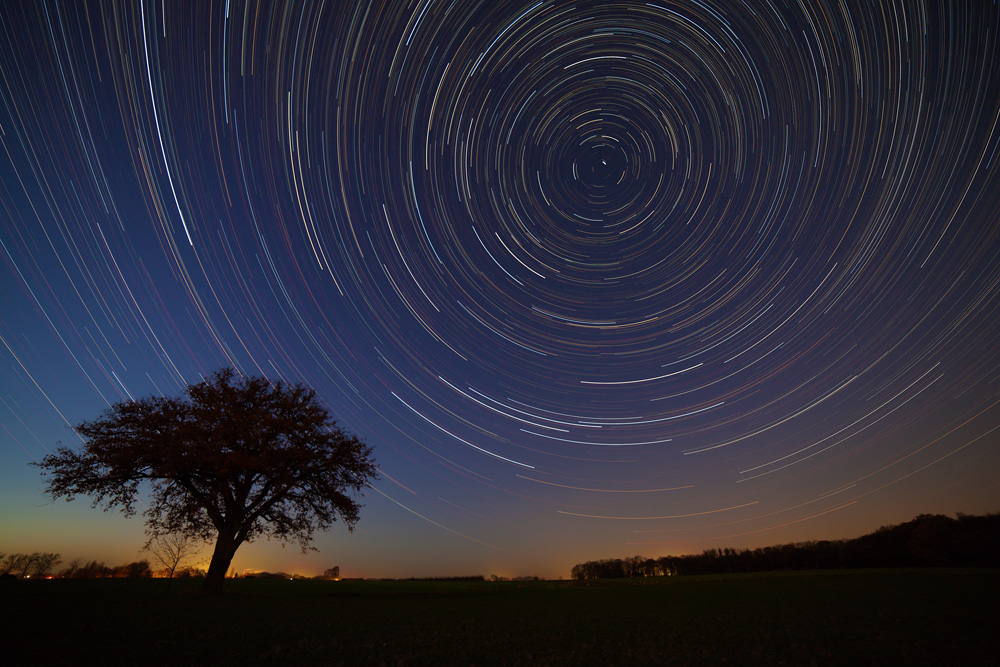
(594, 278)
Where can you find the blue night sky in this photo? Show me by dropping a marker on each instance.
(595, 279)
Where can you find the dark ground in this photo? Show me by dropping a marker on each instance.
(845, 617)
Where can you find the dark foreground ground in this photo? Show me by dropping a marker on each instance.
(872, 617)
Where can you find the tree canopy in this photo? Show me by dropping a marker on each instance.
(232, 457)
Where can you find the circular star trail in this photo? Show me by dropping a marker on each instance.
(590, 275)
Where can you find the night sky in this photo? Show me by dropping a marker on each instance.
(595, 279)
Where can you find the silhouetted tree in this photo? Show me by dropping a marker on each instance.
(69, 572)
(171, 549)
(231, 458)
(189, 572)
(136, 570)
(44, 564)
(92, 570)
(13, 564)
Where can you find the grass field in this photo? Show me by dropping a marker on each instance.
(871, 617)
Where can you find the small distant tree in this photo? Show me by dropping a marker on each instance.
(189, 572)
(332, 573)
(69, 572)
(169, 550)
(140, 568)
(135, 570)
(231, 458)
(28, 563)
(44, 564)
(13, 564)
(92, 570)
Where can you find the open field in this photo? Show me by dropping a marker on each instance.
(911, 617)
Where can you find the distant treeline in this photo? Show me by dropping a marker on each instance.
(929, 540)
(39, 565)
(470, 577)
(24, 566)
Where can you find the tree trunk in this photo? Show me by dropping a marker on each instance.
(170, 577)
(225, 549)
